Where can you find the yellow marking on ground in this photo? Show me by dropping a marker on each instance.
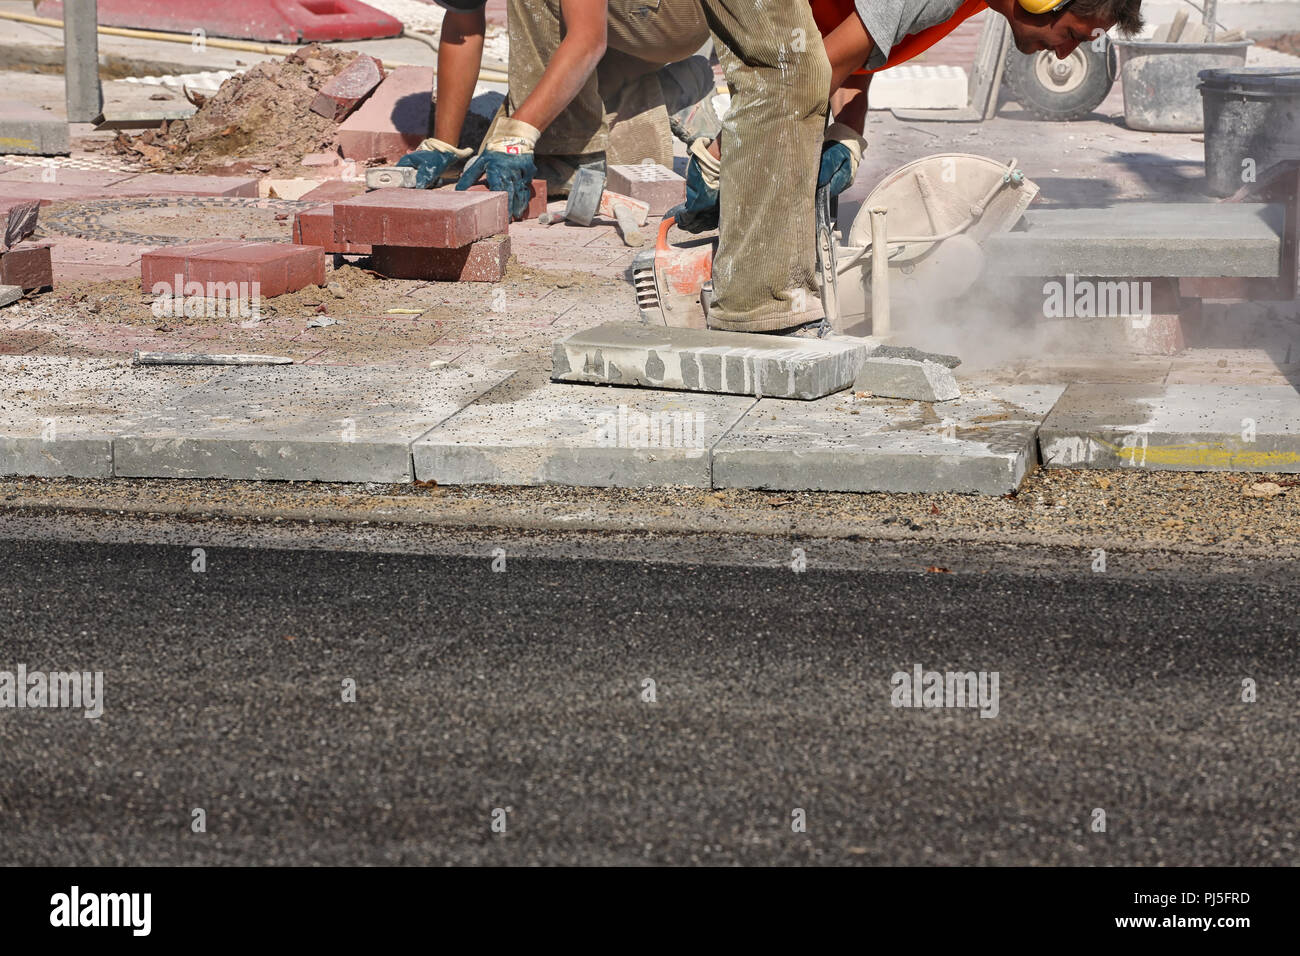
(1215, 455)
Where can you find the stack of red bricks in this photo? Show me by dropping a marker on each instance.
(440, 235)
(23, 263)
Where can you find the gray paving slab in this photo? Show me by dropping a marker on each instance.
(983, 443)
(921, 381)
(1249, 428)
(304, 423)
(58, 415)
(697, 360)
(1143, 239)
(531, 431)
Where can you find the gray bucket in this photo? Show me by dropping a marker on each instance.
(1252, 120)
(1160, 87)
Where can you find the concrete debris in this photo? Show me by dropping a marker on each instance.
(916, 355)
(918, 381)
(194, 358)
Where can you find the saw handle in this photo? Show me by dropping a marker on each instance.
(661, 244)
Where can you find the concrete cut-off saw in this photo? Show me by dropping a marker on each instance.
(931, 215)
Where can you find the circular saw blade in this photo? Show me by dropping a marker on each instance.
(934, 195)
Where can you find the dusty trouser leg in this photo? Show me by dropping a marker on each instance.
(651, 35)
(646, 104)
(620, 110)
(635, 112)
(764, 272)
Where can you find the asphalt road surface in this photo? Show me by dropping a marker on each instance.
(523, 691)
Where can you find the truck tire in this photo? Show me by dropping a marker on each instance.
(1060, 90)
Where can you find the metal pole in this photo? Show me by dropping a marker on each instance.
(1211, 8)
(81, 58)
(880, 322)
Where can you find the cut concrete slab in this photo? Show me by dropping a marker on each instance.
(697, 360)
(300, 423)
(1143, 239)
(983, 443)
(58, 415)
(910, 379)
(530, 431)
(1175, 428)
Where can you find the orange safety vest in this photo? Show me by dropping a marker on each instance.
(829, 14)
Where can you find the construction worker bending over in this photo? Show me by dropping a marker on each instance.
(572, 64)
(859, 37)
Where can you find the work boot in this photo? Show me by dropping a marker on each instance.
(559, 171)
(811, 324)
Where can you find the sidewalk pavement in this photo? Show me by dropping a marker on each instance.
(448, 382)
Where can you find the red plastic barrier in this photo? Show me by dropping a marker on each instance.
(273, 21)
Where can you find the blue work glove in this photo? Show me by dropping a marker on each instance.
(841, 154)
(507, 163)
(431, 160)
(703, 178)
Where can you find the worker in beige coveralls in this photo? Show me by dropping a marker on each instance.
(779, 75)
(557, 93)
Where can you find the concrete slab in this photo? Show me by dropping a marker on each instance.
(919, 381)
(304, 423)
(530, 431)
(1143, 239)
(627, 353)
(1175, 428)
(983, 443)
(58, 415)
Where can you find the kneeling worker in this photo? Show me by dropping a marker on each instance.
(569, 60)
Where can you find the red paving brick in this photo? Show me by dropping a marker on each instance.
(158, 184)
(651, 183)
(46, 193)
(394, 121)
(439, 218)
(315, 227)
(144, 184)
(536, 197)
(94, 178)
(482, 261)
(28, 266)
(334, 190)
(275, 267)
(344, 92)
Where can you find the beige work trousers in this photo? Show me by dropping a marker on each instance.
(776, 66)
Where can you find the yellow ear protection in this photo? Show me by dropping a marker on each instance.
(1045, 6)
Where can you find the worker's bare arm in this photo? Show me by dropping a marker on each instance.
(585, 32)
(849, 102)
(847, 47)
(460, 58)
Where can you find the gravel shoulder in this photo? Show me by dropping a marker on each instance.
(1178, 513)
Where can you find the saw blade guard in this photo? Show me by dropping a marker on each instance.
(937, 198)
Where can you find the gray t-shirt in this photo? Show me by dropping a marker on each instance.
(888, 21)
